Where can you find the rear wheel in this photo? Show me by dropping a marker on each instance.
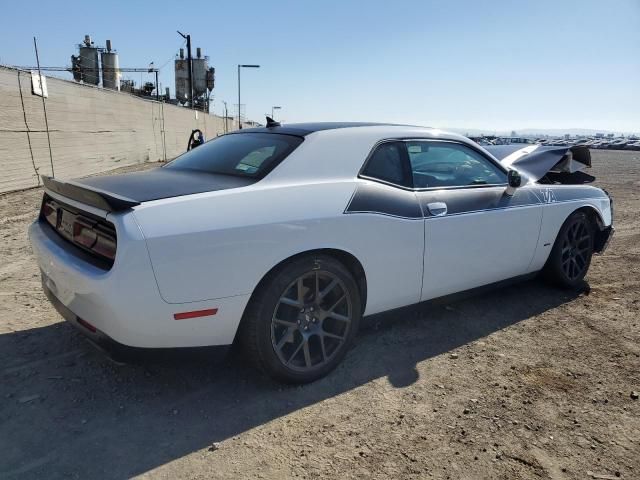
(301, 322)
(571, 254)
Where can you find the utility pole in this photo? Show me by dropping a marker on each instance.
(157, 88)
(189, 62)
(44, 105)
(226, 127)
(239, 104)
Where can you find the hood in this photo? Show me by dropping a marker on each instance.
(119, 192)
(558, 164)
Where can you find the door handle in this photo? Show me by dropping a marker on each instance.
(437, 209)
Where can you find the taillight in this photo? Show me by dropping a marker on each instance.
(84, 234)
(105, 246)
(49, 213)
(90, 236)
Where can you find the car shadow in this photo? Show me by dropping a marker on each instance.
(68, 411)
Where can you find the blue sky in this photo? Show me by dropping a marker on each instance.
(461, 63)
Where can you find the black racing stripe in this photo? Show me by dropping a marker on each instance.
(476, 199)
(384, 200)
(161, 183)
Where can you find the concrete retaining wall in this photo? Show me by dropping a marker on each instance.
(92, 130)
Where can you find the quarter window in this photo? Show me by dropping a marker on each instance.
(445, 164)
(387, 163)
(242, 154)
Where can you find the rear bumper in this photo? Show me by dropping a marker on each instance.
(124, 304)
(118, 351)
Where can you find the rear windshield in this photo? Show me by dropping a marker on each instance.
(244, 154)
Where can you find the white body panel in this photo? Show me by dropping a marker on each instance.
(474, 249)
(124, 302)
(210, 250)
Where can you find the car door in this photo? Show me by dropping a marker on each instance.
(475, 234)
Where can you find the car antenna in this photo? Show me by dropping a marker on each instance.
(272, 123)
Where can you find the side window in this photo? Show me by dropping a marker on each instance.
(387, 163)
(444, 164)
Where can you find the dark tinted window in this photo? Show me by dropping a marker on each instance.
(444, 164)
(243, 154)
(387, 164)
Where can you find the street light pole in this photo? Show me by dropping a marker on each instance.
(239, 104)
(190, 65)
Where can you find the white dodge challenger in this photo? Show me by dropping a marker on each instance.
(283, 237)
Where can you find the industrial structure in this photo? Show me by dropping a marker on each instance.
(85, 66)
(202, 77)
(95, 65)
(93, 62)
(110, 68)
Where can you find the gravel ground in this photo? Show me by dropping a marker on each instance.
(522, 382)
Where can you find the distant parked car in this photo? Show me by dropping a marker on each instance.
(618, 145)
(633, 145)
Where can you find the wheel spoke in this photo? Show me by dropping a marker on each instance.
(583, 239)
(335, 305)
(574, 268)
(286, 338)
(301, 291)
(337, 316)
(322, 349)
(296, 351)
(289, 301)
(286, 323)
(327, 289)
(307, 354)
(331, 335)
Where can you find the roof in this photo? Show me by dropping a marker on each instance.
(303, 129)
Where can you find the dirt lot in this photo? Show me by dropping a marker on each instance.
(522, 382)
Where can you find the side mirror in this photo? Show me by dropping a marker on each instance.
(514, 181)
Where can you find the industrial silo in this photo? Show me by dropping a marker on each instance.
(88, 62)
(200, 67)
(110, 68)
(182, 78)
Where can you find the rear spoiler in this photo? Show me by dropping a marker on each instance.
(109, 202)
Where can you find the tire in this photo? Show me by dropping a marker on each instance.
(302, 319)
(571, 254)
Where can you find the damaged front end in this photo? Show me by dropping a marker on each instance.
(546, 165)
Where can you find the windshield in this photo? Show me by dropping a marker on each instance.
(244, 155)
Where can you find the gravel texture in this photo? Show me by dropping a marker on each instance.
(522, 382)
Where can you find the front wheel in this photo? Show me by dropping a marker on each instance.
(571, 254)
(301, 322)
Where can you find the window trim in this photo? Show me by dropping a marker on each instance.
(407, 162)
